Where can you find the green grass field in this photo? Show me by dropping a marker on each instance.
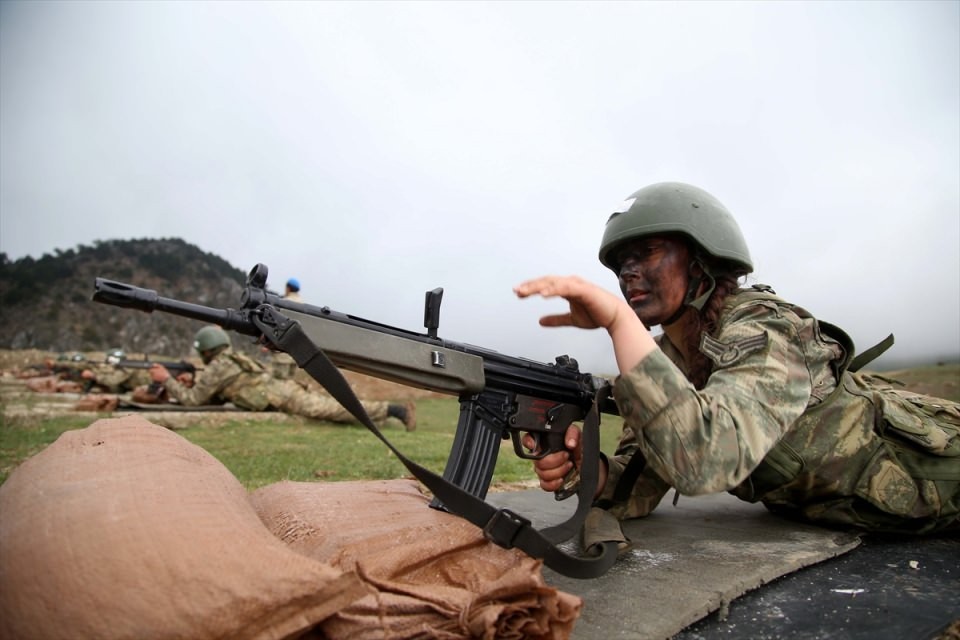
(262, 452)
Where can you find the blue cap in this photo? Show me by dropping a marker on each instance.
(294, 284)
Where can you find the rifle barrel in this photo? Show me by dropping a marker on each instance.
(124, 295)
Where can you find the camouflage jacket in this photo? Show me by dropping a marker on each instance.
(118, 379)
(228, 377)
(782, 421)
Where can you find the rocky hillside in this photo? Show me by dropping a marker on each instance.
(46, 303)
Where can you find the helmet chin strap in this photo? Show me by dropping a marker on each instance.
(691, 299)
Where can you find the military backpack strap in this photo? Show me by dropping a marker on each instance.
(871, 354)
(501, 526)
(851, 363)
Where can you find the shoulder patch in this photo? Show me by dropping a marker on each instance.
(724, 354)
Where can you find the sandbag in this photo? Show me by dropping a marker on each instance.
(433, 575)
(127, 530)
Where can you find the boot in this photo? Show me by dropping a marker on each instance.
(405, 413)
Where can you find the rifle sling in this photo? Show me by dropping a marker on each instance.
(501, 526)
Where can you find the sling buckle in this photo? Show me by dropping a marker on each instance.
(503, 527)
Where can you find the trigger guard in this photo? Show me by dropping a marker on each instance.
(522, 452)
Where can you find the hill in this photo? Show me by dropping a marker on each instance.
(46, 303)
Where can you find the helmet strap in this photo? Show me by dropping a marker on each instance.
(691, 299)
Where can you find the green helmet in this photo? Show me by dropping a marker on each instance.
(675, 207)
(210, 337)
(115, 355)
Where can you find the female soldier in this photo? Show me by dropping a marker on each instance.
(744, 392)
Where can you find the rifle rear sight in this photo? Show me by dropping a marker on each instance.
(255, 293)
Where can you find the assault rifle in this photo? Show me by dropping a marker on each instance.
(500, 397)
(176, 368)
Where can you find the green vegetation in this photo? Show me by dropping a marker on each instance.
(45, 302)
(260, 453)
(21, 438)
(940, 380)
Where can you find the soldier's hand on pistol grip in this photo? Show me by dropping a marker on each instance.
(553, 468)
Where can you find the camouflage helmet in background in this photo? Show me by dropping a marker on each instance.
(115, 355)
(209, 338)
(675, 207)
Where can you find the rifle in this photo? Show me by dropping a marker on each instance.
(500, 397)
(65, 371)
(175, 368)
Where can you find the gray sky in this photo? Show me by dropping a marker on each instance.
(377, 150)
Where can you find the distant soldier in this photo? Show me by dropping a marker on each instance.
(68, 366)
(292, 290)
(113, 379)
(282, 366)
(229, 376)
(64, 367)
(62, 375)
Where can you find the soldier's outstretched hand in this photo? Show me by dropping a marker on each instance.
(591, 307)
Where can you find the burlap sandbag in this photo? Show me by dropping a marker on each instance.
(126, 530)
(434, 574)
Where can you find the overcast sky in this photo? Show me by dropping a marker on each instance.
(378, 150)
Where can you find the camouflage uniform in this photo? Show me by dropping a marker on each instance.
(118, 379)
(237, 378)
(781, 421)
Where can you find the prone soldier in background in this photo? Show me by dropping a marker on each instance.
(65, 367)
(110, 377)
(229, 376)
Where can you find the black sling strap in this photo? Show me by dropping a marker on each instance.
(501, 526)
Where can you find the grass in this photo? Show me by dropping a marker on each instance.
(260, 453)
(263, 452)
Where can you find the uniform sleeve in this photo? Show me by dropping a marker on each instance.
(207, 384)
(710, 440)
(111, 377)
(645, 493)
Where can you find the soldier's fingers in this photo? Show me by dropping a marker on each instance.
(572, 437)
(555, 472)
(556, 459)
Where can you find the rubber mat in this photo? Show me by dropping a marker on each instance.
(685, 561)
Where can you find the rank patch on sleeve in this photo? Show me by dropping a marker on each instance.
(724, 354)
